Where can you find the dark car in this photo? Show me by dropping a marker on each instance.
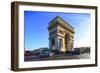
(55, 52)
(45, 53)
(76, 52)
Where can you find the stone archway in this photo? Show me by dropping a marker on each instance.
(61, 35)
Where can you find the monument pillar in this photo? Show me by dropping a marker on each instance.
(57, 43)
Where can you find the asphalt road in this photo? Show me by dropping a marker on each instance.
(57, 57)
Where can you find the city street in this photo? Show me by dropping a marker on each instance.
(58, 57)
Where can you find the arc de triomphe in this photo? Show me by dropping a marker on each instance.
(61, 35)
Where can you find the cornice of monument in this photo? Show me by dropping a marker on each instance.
(61, 22)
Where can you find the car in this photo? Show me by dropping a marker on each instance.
(44, 53)
(75, 52)
(55, 52)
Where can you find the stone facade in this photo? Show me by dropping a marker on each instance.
(61, 35)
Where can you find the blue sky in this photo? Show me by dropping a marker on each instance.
(36, 32)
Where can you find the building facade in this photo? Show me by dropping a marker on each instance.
(61, 35)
